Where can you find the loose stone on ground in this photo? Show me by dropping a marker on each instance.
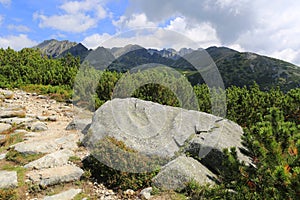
(8, 179)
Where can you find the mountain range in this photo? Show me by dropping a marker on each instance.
(236, 68)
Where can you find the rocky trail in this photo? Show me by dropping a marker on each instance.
(34, 126)
(42, 152)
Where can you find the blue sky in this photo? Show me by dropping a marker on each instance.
(260, 26)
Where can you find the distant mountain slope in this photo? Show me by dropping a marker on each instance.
(243, 68)
(79, 50)
(100, 58)
(135, 58)
(236, 68)
(119, 51)
(54, 48)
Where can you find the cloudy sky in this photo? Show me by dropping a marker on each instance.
(267, 27)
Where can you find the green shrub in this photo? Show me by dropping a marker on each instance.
(112, 151)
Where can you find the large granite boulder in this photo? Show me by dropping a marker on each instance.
(164, 131)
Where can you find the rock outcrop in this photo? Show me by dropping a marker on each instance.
(167, 132)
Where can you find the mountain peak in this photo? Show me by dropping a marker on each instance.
(55, 48)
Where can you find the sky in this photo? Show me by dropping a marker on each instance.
(269, 28)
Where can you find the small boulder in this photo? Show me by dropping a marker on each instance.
(146, 193)
(52, 118)
(42, 118)
(38, 126)
(180, 171)
(7, 94)
(80, 124)
(66, 195)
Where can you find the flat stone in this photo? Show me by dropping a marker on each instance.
(18, 121)
(12, 112)
(4, 127)
(20, 131)
(47, 146)
(8, 179)
(66, 195)
(56, 175)
(31, 115)
(180, 171)
(55, 159)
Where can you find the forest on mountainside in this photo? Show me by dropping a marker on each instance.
(271, 119)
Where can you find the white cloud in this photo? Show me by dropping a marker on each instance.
(58, 36)
(288, 54)
(229, 18)
(16, 42)
(204, 34)
(5, 2)
(78, 16)
(277, 33)
(134, 21)
(74, 7)
(69, 23)
(236, 47)
(19, 28)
